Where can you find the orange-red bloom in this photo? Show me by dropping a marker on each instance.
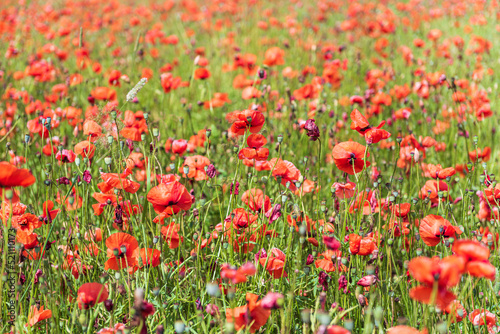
(434, 228)
(436, 275)
(11, 176)
(170, 198)
(252, 315)
(90, 294)
(121, 251)
(349, 157)
(38, 314)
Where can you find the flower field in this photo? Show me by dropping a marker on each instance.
(249, 166)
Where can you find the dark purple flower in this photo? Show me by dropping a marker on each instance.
(87, 177)
(199, 306)
(323, 280)
(312, 129)
(331, 242)
(108, 305)
(211, 171)
(343, 283)
(118, 215)
(235, 188)
(37, 275)
(62, 180)
(274, 213)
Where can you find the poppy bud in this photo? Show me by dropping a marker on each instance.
(324, 318)
(9, 194)
(179, 326)
(213, 289)
(306, 316)
(160, 329)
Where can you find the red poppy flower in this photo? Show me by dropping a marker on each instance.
(405, 330)
(237, 275)
(171, 235)
(201, 73)
(432, 228)
(372, 135)
(118, 181)
(349, 157)
(11, 176)
(256, 200)
(445, 273)
(179, 146)
(328, 261)
(437, 172)
(286, 171)
(255, 150)
(90, 294)
(241, 218)
(344, 191)
(253, 120)
(274, 263)
(92, 130)
(103, 93)
(306, 92)
(274, 56)
(26, 222)
(195, 166)
(431, 190)
(121, 251)
(476, 256)
(457, 310)
(362, 245)
(38, 314)
(85, 148)
(483, 154)
(149, 257)
(170, 198)
(483, 317)
(48, 214)
(252, 316)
